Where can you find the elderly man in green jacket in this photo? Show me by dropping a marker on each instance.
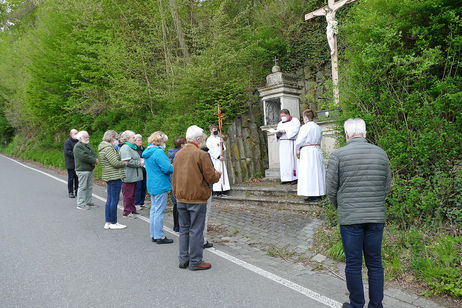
(358, 181)
(85, 161)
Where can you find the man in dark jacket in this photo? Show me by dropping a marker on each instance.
(85, 161)
(72, 180)
(358, 181)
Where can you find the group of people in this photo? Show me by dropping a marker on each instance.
(358, 181)
(300, 155)
(128, 167)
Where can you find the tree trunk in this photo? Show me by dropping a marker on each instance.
(179, 30)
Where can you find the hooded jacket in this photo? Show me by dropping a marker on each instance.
(158, 168)
(111, 165)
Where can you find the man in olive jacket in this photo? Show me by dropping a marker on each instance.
(358, 181)
(85, 161)
(193, 172)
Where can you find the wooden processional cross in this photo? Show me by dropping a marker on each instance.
(332, 30)
(220, 125)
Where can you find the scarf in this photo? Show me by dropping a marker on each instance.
(133, 146)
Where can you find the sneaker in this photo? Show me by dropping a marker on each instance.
(136, 213)
(130, 216)
(176, 229)
(71, 195)
(208, 244)
(117, 226)
(183, 264)
(106, 225)
(138, 207)
(82, 207)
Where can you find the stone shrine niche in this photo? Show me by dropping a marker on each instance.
(280, 92)
(272, 107)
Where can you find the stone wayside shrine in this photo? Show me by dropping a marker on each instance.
(281, 92)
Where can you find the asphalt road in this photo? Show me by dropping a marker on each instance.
(53, 255)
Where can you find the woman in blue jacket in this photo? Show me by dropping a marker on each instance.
(158, 168)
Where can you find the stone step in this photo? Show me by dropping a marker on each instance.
(269, 189)
(291, 203)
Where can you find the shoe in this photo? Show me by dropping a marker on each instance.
(284, 183)
(312, 199)
(164, 241)
(106, 225)
(294, 182)
(138, 208)
(82, 207)
(136, 213)
(346, 305)
(90, 204)
(183, 264)
(153, 239)
(176, 229)
(129, 216)
(117, 226)
(208, 245)
(71, 195)
(199, 267)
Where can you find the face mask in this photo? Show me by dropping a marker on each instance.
(163, 146)
(115, 143)
(306, 120)
(284, 119)
(215, 133)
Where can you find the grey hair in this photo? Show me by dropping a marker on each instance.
(80, 134)
(193, 132)
(138, 136)
(355, 127)
(126, 135)
(109, 135)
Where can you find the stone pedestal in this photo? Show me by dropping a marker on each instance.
(272, 173)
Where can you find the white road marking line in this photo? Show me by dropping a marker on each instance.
(268, 275)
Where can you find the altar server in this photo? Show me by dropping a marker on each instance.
(311, 170)
(286, 134)
(214, 143)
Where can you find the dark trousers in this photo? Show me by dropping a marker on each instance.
(175, 211)
(140, 192)
(129, 191)
(72, 181)
(192, 220)
(358, 239)
(113, 196)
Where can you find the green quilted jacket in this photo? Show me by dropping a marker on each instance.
(111, 165)
(358, 181)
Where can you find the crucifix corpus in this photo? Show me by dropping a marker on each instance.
(220, 125)
(332, 30)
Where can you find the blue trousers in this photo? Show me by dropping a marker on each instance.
(192, 221)
(113, 196)
(140, 192)
(158, 205)
(358, 239)
(72, 181)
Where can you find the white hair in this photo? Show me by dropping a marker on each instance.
(355, 127)
(193, 132)
(138, 136)
(126, 135)
(79, 135)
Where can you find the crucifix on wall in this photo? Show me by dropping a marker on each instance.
(332, 30)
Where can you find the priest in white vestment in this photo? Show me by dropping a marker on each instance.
(312, 174)
(214, 143)
(286, 133)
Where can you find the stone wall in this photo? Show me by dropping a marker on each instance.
(246, 154)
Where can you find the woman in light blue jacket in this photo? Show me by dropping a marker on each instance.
(158, 168)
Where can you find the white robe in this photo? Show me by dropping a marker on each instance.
(213, 143)
(312, 174)
(287, 155)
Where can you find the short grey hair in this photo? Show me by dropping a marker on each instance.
(138, 136)
(109, 135)
(80, 134)
(193, 132)
(126, 135)
(355, 127)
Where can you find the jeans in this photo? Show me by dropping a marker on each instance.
(113, 196)
(85, 190)
(358, 239)
(158, 205)
(192, 220)
(140, 192)
(129, 191)
(72, 181)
